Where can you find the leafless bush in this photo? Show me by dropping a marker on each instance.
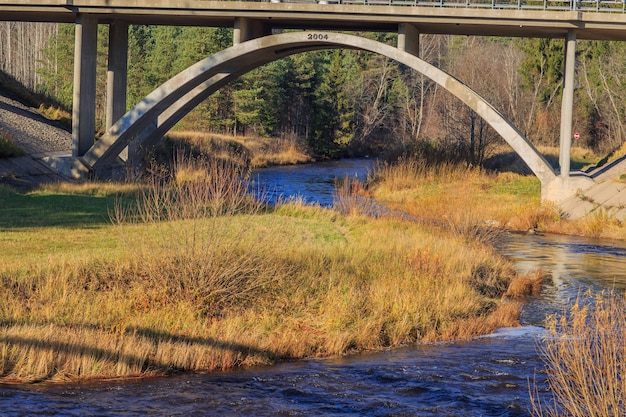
(585, 354)
(350, 197)
(193, 252)
(198, 188)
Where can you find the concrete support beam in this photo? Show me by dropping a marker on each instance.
(409, 38)
(567, 105)
(247, 29)
(84, 102)
(117, 73)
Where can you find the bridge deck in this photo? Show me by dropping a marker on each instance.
(592, 19)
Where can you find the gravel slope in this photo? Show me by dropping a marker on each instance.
(30, 130)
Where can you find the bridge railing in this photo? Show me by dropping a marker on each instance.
(608, 6)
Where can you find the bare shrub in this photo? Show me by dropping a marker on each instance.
(8, 148)
(528, 284)
(585, 354)
(198, 188)
(351, 198)
(470, 226)
(192, 252)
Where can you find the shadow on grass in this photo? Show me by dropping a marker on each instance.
(145, 364)
(512, 162)
(52, 210)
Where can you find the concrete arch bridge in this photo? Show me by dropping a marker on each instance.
(258, 39)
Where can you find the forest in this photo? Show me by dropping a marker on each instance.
(342, 102)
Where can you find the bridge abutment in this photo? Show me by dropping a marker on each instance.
(562, 188)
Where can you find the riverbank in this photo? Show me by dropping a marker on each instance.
(464, 196)
(252, 152)
(86, 298)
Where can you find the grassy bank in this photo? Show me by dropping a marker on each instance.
(457, 194)
(584, 347)
(85, 297)
(255, 152)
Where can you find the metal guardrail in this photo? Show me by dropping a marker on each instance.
(607, 6)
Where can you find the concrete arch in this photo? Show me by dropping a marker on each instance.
(144, 124)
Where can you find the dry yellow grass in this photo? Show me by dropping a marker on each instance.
(457, 194)
(186, 289)
(255, 152)
(95, 188)
(255, 289)
(54, 112)
(448, 192)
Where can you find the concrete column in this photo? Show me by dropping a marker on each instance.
(567, 105)
(84, 99)
(247, 29)
(409, 38)
(117, 73)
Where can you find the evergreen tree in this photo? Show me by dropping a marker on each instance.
(296, 82)
(140, 80)
(543, 68)
(601, 99)
(248, 104)
(333, 125)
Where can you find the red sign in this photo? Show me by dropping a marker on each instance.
(576, 136)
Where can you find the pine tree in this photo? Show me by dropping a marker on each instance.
(333, 126)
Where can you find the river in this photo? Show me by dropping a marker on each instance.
(487, 376)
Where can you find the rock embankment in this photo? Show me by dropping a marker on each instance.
(30, 130)
(37, 136)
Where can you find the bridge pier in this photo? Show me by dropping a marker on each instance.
(567, 104)
(409, 38)
(84, 99)
(566, 185)
(117, 72)
(246, 29)
(117, 76)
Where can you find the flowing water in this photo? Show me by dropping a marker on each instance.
(487, 376)
(312, 183)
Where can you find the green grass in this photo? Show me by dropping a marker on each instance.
(49, 209)
(50, 222)
(524, 187)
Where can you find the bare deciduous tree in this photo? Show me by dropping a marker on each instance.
(21, 49)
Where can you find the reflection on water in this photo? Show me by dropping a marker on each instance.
(573, 264)
(487, 376)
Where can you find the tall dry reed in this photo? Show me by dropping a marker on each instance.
(585, 354)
